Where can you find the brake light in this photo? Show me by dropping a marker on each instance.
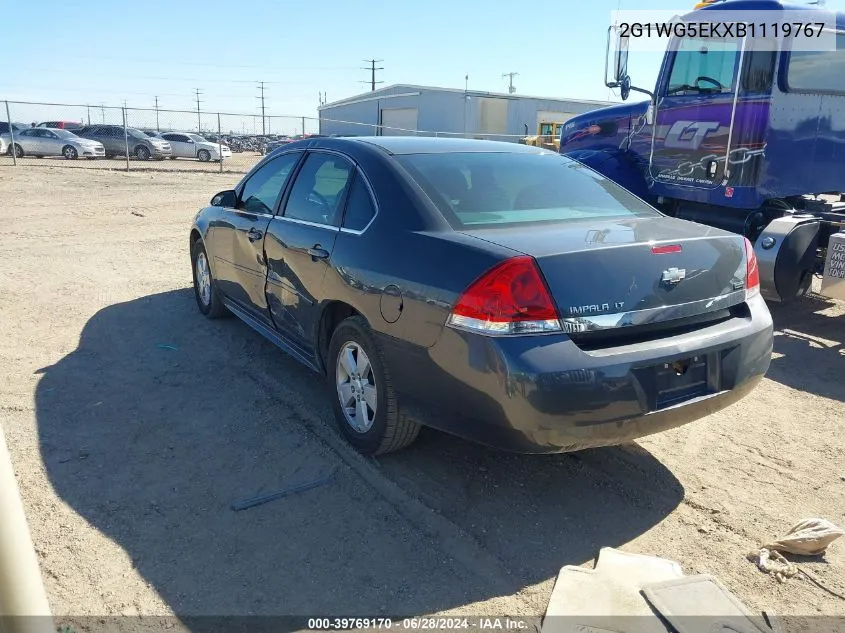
(752, 271)
(510, 298)
(668, 248)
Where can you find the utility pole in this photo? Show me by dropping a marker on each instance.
(261, 96)
(158, 129)
(88, 109)
(198, 92)
(466, 83)
(510, 76)
(103, 111)
(372, 68)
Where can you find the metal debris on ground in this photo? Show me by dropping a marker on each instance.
(255, 501)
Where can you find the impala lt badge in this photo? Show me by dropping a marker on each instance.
(672, 277)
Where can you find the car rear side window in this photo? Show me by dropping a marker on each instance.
(261, 191)
(359, 206)
(477, 189)
(319, 189)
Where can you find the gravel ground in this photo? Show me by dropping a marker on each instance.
(134, 423)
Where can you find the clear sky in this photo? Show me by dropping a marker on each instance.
(97, 52)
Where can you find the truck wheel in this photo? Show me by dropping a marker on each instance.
(364, 401)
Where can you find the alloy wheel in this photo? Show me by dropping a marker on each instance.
(356, 387)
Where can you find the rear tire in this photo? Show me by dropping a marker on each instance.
(205, 288)
(358, 378)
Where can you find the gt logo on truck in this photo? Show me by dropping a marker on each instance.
(689, 134)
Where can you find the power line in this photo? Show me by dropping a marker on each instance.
(510, 76)
(261, 96)
(373, 69)
(198, 92)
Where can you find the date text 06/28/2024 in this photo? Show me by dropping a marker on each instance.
(419, 623)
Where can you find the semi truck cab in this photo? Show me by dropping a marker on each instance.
(741, 133)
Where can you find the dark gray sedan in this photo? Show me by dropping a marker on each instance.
(499, 292)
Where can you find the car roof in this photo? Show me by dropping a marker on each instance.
(438, 145)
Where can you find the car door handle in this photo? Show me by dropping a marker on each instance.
(254, 235)
(318, 253)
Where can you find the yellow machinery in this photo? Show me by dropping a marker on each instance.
(548, 136)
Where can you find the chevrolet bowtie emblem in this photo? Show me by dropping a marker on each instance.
(672, 277)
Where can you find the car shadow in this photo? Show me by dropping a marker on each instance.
(156, 423)
(809, 347)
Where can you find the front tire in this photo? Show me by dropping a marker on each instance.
(18, 150)
(69, 152)
(205, 288)
(204, 155)
(364, 401)
(142, 153)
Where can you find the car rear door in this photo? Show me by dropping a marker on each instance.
(300, 240)
(243, 270)
(178, 145)
(51, 144)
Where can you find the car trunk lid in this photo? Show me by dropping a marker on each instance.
(609, 274)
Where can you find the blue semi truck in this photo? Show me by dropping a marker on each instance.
(741, 134)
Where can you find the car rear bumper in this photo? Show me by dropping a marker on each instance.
(545, 394)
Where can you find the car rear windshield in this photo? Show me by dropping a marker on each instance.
(480, 189)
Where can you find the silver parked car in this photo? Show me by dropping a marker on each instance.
(186, 145)
(42, 141)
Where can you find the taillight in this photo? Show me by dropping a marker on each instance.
(752, 271)
(510, 298)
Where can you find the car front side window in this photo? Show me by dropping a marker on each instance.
(261, 191)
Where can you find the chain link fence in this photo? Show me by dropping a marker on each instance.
(99, 136)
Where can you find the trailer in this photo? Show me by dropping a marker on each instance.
(739, 133)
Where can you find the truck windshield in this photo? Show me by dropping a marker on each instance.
(487, 189)
(703, 66)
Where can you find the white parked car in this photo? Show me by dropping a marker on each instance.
(42, 141)
(186, 145)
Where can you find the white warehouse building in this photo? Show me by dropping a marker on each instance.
(403, 109)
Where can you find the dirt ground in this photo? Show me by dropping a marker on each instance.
(134, 423)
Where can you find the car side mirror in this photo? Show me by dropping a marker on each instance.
(225, 199)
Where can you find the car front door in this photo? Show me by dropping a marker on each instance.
(299, 244)
(242, 271)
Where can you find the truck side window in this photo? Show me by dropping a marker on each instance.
(759, 65)
(703, 66)
(818, 71)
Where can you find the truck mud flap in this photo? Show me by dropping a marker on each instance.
(786, 253)
(833, 281)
